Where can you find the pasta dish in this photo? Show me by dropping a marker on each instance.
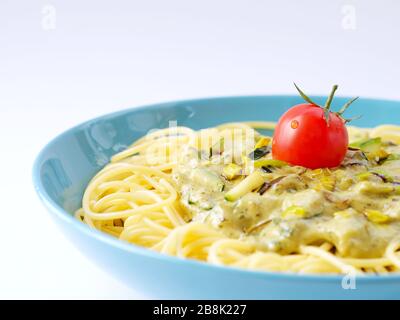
(227, 195)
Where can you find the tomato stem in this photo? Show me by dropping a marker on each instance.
(344, 108)
(351, 119)
(328, 103)
(304, 96)
(330, 98)
(327, 107)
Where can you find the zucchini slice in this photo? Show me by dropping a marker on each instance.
(269, 163)
(207, 179)
(253, 181)
(369, 145)
(231, 171)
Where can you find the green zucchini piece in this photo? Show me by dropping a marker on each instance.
(269, 163)
(231, 171)
(253, 181)
(393, 156)
(370, 145)
(207, 179)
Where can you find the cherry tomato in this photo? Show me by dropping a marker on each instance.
(305, 137)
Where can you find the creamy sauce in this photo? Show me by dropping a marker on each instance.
(356, 207)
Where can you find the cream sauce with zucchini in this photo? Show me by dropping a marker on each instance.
(280, 207)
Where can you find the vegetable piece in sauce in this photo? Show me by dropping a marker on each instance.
(294, 211)
(364, 176)
(266, 185)
(324, 180)
(253, 181)
(383, 175)
(372, 147)
(376, 216)
(368, 187)
(269, 163)
(393, 157)
(344, 213)
(231, 171)
(208, 179)
(263, 142)
(259, 153)
(368, 145)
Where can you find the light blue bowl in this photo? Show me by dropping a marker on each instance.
(64, 167)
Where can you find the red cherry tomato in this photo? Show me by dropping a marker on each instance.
(305, 138)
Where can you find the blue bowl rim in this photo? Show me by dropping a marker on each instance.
(62, 214)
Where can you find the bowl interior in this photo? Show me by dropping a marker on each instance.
(66, 165)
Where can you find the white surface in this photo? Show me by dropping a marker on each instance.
(107, 55)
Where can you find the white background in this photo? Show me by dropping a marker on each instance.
(95, 57)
